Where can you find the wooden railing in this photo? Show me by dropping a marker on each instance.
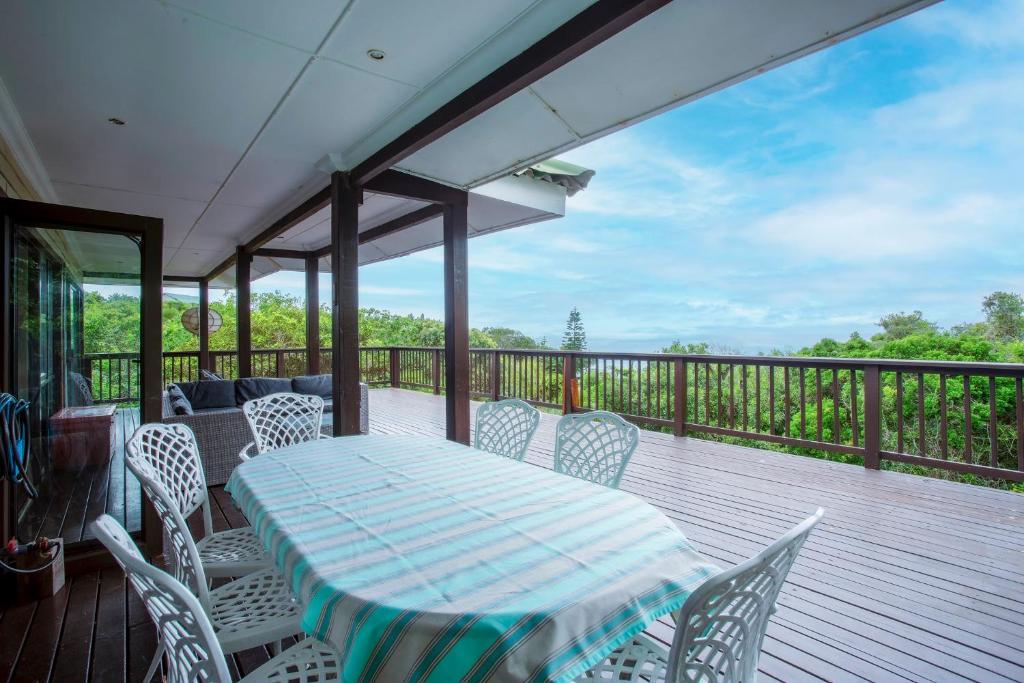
(964, 417)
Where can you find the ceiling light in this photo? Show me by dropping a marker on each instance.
(375, 55)
(116, 121)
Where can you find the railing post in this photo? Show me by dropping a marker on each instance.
(679, 389)
(393, 368)
(436, 368)
(495, 376)
(872, 417)
(568, 375)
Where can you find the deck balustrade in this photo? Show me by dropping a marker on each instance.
(959, 416)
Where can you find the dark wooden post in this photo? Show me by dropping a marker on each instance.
(345, 201)
(496, 376)
(243, 304)
(151, 356)
(872, 417)
(456, 321)
(435, 371)
(679, 389)
(394, 371)
(568, 375)
(7, 524)
(312, 315)
(204, 325)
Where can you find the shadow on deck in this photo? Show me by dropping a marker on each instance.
(907, 578)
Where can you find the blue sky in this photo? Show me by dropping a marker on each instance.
(883, 174)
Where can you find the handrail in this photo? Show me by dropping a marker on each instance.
(960, 416)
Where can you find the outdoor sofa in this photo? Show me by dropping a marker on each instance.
(213, 410)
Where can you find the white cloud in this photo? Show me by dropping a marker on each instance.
(874, 223)
(638, 178)
(988, 25)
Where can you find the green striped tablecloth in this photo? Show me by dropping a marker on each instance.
(426, 560)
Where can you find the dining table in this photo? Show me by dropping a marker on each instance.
(423, 559)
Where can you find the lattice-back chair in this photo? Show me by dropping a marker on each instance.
(251, 611)
(186, 633)
(169, 453)
(280, 420)
(720, 627)
(506, 427)
(83, 385)
(595, 446)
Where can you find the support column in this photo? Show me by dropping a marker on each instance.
(456, 321)
(345, 201)
(243, 302)
(204, 325)
(151, 356)
(312, 315)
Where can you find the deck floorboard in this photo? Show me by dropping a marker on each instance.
(906, 579)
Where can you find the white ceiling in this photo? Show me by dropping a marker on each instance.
(230, 104)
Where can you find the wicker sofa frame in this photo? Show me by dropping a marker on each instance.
(222, 433)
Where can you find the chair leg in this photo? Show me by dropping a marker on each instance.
(154, 666)
(275, 648)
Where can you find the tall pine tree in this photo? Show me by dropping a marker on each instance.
(575, 338)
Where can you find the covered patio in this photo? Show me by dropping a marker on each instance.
(226, 142)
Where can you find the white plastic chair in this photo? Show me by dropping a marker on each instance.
(186, 633)
(506, 427)
(250, 611)
(595, 446)
(171, 454)
(720, 626)
(280, 420)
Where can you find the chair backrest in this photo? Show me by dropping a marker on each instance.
(506, 427)
(83, 386)
(722, 624)
(194, 653)
(180, 549)
(595, 446)
(283, 419)
(172, 454)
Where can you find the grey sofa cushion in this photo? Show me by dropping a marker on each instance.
(257, 387)
(313, 385)
(208, 394)
(179, 403)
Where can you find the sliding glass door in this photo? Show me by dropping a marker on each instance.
(76, 300)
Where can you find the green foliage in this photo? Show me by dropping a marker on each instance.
(698, 348)
(575, 337)
(900, 325)
(278, 322)
(1004, 313)
(507, 338)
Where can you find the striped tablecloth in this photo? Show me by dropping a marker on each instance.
(426, 560)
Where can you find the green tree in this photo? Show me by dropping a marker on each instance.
(1004, 312)
(900, 325)
(697, 348)
(575, 337)
(507, 338)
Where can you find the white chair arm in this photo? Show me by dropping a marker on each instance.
(243, 455)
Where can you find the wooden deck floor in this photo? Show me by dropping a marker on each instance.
(906, 579)
(70, 500)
